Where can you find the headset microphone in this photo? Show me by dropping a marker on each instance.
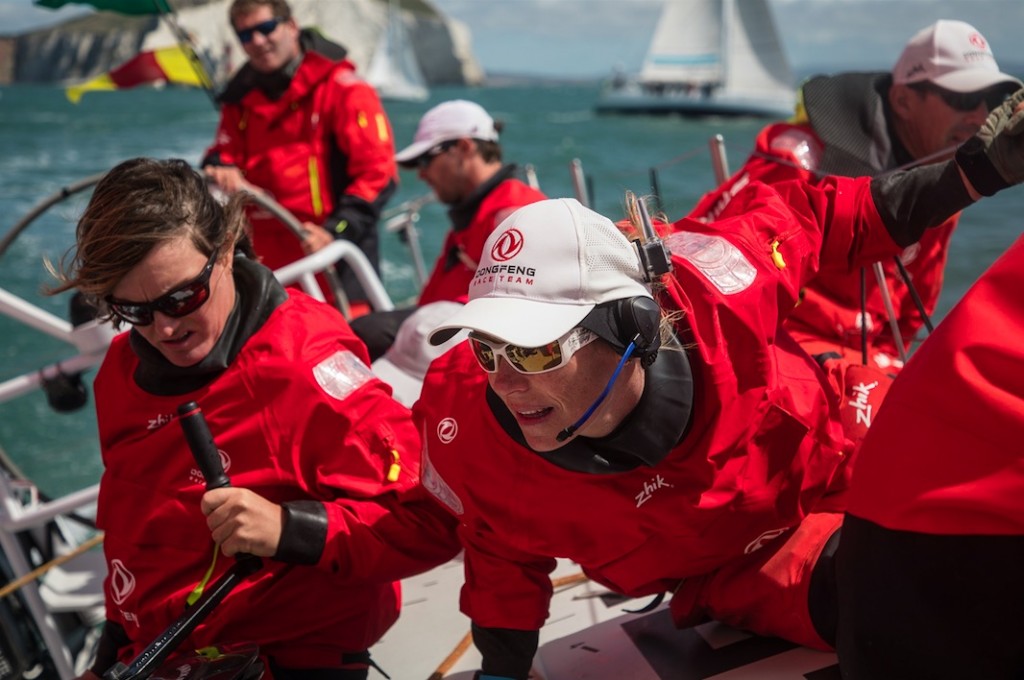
(571, 430)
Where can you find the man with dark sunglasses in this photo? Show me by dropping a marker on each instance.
(937, 95)
(639, 408)
(456, 151)
(298, 123)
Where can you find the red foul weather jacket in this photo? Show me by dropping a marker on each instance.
(455, 266)
(944, 456)
(325, 142)
(763, 449)
(296, 416)
(829, 313)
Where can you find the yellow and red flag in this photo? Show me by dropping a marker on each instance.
(165, 65)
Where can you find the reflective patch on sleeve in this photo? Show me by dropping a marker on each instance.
(798, 146)
(361, 120)
(432, 482)
(382, 127)
(341, 374)
(720, 261)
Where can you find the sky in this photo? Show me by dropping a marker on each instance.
(588, 38)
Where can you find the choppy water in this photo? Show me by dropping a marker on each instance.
(46, 143)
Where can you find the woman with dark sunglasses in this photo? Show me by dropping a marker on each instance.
(639, 409)
(324, 464)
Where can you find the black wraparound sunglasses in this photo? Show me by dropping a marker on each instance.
(265, 28)
(964, 101)
(425, 159)
(183, 300)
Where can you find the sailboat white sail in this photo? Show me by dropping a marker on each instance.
(394, 70)
(710, 57)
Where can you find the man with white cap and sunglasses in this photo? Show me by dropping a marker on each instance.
(639, 409)
(941, 88)
(457, 152)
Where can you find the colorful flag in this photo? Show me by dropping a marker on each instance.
(120, 6)
(165, 65)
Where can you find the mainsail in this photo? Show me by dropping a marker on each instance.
(710, 57)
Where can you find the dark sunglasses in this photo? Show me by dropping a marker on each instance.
(265, 28)
(183, 300)
(424, 160)
(964, 101)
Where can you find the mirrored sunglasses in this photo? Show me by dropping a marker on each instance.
(264, 28)
(530, 360)
(425, 159)
(965, 101)
(177, 303)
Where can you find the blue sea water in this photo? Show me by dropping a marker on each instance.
(47, 143)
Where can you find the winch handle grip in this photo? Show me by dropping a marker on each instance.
(200, 442)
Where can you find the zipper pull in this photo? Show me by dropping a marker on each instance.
(395, 469)
(777, 258)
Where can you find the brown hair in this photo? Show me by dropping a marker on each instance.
(139, 204)
(490, 151)
(240, 8)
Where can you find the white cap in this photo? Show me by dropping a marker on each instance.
(543, 270)
(952, 55)
(450, 120)
(405, 363)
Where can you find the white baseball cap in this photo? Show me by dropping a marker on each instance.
(543, 270)
(953, 55)
(405, 363)
(449, 120)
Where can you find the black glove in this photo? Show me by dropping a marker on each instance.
(353, 220)
(993, 158)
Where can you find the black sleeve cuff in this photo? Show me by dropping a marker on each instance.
(978, 168)
(914, 200)
(506, 652)
(213, 159)
(304, 533)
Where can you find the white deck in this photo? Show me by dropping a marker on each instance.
(587, 637)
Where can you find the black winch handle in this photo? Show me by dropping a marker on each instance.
(200, 441)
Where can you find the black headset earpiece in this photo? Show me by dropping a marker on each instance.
(640, 322)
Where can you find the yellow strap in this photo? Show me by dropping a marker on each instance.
(314, 187)
(197, 592)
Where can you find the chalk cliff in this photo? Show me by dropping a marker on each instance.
(87, 46)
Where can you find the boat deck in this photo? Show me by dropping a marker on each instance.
(588, 636)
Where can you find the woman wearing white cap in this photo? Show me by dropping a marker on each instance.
(680, 443)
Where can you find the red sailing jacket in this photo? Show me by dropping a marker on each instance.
(828, 316)
(763, 449)
(460, 254)
(285, 147)
(944, 455)
(297, 416)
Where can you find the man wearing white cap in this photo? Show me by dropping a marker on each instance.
(865, 124)
(681, 443)
(456, 151)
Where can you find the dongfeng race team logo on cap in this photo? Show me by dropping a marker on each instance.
(507, 246)
(978, 41)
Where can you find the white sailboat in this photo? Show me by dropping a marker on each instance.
(709, 57)
(394, 70)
